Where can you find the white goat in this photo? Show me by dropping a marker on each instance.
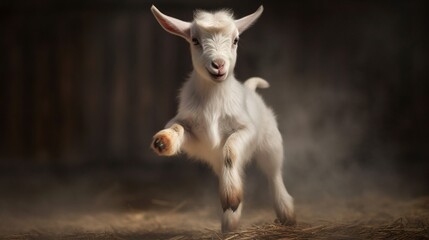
(221, 121)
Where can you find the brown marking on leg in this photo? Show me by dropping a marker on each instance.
(230, 156)
(234, 200)
(228, 162)
(231, 200)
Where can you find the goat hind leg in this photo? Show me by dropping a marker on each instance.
(270, 160)
(283, 202)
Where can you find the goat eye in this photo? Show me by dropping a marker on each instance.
(235, 41)
(195, 41)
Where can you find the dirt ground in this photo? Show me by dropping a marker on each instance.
(129, 210)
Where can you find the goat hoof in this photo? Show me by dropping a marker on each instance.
(165, 143)
(159, 144)
(286, 222)
(162, 144)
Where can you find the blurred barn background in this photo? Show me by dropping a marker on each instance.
(85, 84)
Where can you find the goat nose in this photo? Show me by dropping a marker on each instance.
(218, 63)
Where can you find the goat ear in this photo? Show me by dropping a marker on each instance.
(245, 22)
(172, 25)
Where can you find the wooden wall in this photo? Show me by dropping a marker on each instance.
(85, 83)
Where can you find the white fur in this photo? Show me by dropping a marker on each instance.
(221, 121)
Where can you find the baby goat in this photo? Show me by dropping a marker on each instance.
(221, 121)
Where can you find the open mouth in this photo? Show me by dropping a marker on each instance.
(217, 76)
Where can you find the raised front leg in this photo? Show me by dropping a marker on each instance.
(169, 141)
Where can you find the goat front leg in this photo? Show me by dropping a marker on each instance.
(235, 152)
(169, 141)
(231, 196)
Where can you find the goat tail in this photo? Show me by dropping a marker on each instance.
(256, 82)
